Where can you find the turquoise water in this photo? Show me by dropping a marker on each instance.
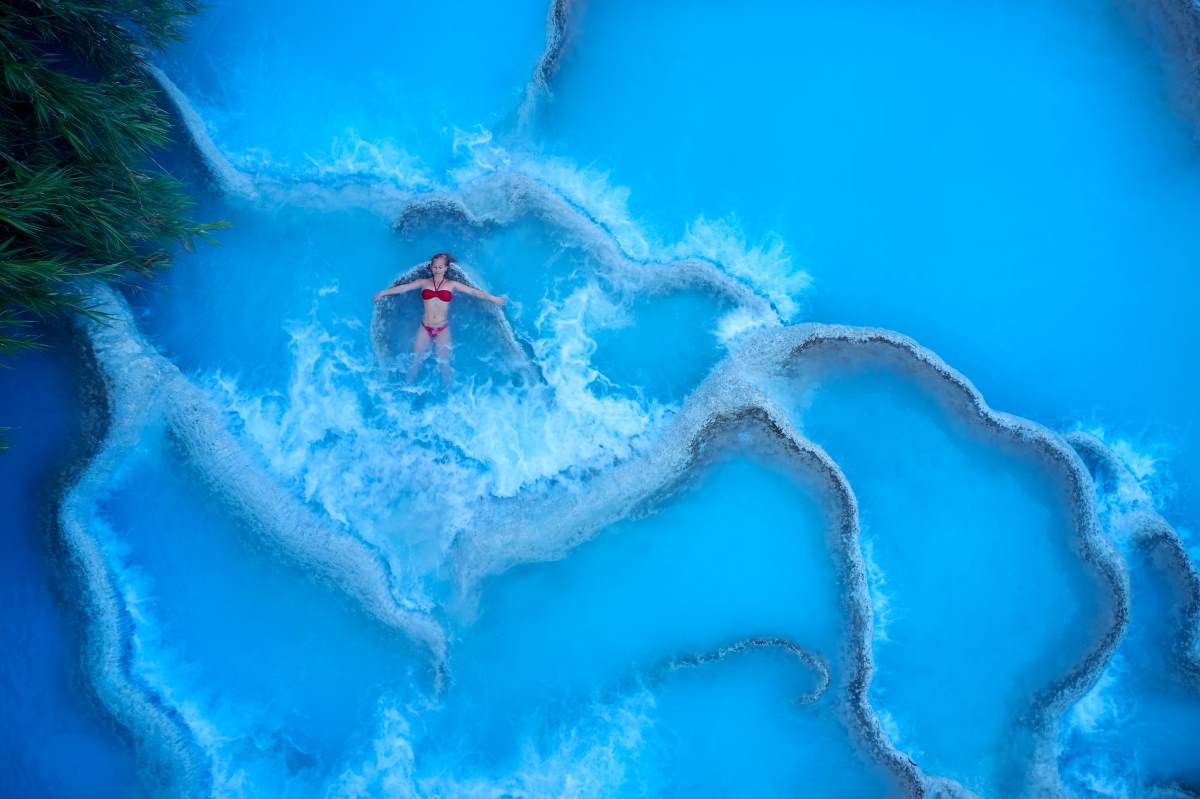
(984, 541)
(977, 176)
(661, 536)
(50, 720)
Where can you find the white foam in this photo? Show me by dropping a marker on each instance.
(588, 759)
(1100, 707)
(1105, 781)
(128, 360)
(1142, 484)
(882, 606)
(767, 267)
(588, 191)
(353, 156)
(350, 157)
(356, 444)
(1092, 726)
(739, 322)
(888, 723)
(497, 185)
(164, 669)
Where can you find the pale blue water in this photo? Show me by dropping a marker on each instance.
(986, 540)
(652, 541)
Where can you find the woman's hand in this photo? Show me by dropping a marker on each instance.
(500, 300)
(381, 295)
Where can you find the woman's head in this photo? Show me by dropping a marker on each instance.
(440, 262)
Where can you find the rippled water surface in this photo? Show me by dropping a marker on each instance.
(675, 528)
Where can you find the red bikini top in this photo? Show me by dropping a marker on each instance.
(445, 295)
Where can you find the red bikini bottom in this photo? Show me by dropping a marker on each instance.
(434, 331)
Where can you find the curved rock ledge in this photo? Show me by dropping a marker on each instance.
(809, 659)
(635, 488)
(227, 176)
(631, 489)
(1159, 542)
(1162, 546)
(140, 384)
(171, 761)
(497, 197)
(502, 197)
(1156, 541)
(1105, 467)
(537, 90)
(745, 409)
(1108, 569)
(343, 560)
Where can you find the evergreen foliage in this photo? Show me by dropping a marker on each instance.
(80, 193)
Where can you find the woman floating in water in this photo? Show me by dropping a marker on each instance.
(436, 292)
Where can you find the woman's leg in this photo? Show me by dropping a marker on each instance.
(420, 351)
(441, 346)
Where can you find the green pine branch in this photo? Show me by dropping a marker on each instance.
(80, 194)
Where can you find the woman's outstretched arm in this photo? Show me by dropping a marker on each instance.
(403, 287)
(483, 295)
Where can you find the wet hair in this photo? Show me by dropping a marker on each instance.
(447, 256)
